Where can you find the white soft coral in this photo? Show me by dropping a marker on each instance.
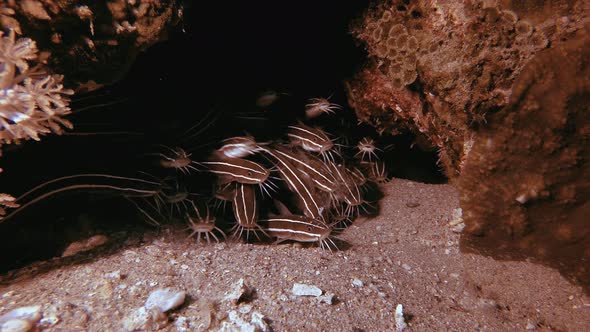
(30, 103)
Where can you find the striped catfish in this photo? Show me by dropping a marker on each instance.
(202, 224)
(310, 139)
(349, 191)
(237, 169)
(245, 211)
(298, 183)
(238, 147)
(314, 167)
(301, 229)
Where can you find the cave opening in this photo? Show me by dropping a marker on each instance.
(218, 61)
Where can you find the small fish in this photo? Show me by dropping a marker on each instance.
(309, 138)
(378, 172)
(179, 159)
(319, 106)
(366, 149)
(300, 229)
(349, 191)
(245, 211)
(239, 170)
(314, 167)
(268, 98)
(238, 147)
(298, 183)
(202, 224)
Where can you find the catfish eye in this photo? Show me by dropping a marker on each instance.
(309, 229)
(249, 173)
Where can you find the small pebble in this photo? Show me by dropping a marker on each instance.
(165, 299)
(259, 321)
(305, 290)
(238, 292)
(31, 314)
(327, 298)
(400, 322)
(531, 326)
(357, 283)
(244, 309)
(144, 319)
(115, 275)
(16, 325)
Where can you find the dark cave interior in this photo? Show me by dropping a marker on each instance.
(212, 67)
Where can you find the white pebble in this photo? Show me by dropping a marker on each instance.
(114, 275)
(259, 321)
(400, 322)
(245, 308)
(30, 313)
(327, 298)
(305, 290)
(144, 319)
(16, 325)
(357, 283)
(165, 299)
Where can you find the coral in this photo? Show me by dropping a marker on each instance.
(6, 201)
(92, 43)
(458, 58)
(31, 103)
(525, 186)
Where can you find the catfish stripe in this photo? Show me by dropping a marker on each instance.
(244, 206)
(352, 199)
(314, 136)
(241, 170)
(298, 228)
(315, 175)
(291, 175)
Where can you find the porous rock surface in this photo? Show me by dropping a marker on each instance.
(440, 69)
(501, 90)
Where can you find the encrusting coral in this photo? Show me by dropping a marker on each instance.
(440, 69)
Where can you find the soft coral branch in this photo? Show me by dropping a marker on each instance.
(30, 104)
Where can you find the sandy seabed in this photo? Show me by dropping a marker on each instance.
(407, 255)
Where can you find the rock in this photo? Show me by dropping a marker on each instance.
(21, 319)
(145, 319)
(240, 291)
(533, 161)
(259, 321)
(16, 325)
(31, 314)
(165, 299)
(236, 323)
(400, 322)
(305, 290)
(357, 283)
(85, 245)
(327, 298)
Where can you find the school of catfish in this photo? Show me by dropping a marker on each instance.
(303, 186)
